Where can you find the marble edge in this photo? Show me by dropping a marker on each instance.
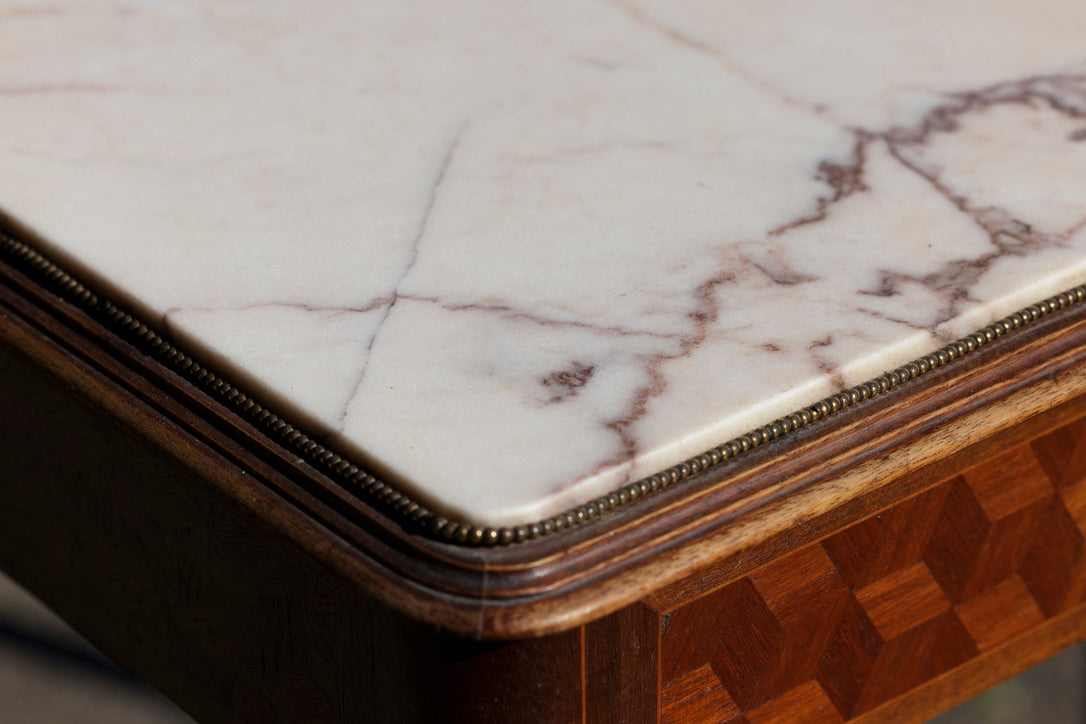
(409, 507)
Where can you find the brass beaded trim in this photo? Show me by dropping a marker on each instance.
(437, 526)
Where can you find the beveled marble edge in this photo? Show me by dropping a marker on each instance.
(420, 518)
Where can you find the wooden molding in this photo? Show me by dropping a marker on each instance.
(714, 526)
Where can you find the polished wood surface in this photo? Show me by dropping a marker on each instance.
(235, 622)
(216, 607)
(884, 564)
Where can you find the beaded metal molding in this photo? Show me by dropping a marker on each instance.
(416, 516)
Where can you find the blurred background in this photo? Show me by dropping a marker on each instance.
(48, 673)
(1049, 693)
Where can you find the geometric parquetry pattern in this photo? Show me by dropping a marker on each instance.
(838, 627)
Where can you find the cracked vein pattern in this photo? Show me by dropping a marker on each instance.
(512, 255)
(412, 256)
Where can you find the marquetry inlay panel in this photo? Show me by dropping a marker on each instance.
(838, 627)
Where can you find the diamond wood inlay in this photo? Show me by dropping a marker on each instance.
(839, 627)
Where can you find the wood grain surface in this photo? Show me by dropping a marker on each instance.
(203, 598)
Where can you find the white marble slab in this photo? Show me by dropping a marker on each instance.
(513, 254)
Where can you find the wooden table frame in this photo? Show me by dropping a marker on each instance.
(887, 562)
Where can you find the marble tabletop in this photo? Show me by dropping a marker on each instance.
(514, 255)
